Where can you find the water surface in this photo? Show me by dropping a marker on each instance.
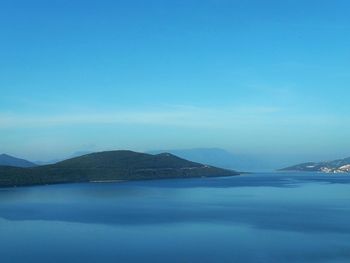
(251, 218)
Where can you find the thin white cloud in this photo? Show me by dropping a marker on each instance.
(179, 115)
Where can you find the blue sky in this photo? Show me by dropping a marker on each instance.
(268, 78)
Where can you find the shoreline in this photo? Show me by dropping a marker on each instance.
(108, 181)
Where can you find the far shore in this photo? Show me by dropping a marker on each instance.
(108, 181)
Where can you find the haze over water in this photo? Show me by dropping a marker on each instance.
(251, 218)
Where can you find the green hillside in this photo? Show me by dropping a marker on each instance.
(109, 166)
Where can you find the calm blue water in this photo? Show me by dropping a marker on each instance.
(251, 218)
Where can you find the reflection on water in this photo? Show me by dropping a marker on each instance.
(251, 218)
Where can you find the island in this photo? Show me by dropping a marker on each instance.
(109, 166)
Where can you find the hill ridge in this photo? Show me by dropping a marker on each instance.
(8, 160)
(109, 166)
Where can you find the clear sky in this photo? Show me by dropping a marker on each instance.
(268, 78)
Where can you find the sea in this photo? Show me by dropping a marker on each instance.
(261, 217)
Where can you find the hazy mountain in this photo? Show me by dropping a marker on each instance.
(107, 166)
(8, 160)
(48, 162)
(216, 157)
(336, 166)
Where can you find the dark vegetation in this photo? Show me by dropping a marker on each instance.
(109, 166)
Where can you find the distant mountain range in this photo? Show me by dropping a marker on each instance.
(216, 157)
(336, 166)
(9, 160)
(210, 156)
(109, 166)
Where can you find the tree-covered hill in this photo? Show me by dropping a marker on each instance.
(109, 166)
